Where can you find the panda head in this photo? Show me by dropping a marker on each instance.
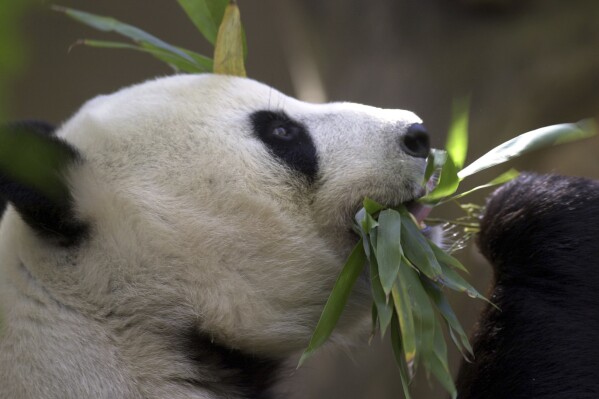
(213, 203)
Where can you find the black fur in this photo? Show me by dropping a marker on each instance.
(231, 370)
(288, 140)
(541, 234)
(51, 217)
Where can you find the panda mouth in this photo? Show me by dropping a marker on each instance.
(418, 210)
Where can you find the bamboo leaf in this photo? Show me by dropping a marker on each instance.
(372, 206)
(383, 306)
(398, 352)
(179, 64)
(108, 24)
(501, 179)
(423, 310)
(388, 248)
(206, 15)
(448, 183)
(457, 138)
(403, 308)
(434, 162)
(416, 248)
(337, 300)
(442, 305)
(443, 257)
(228, 50)
(533, 140)
(437, 363)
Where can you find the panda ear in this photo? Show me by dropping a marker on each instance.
(33, 163)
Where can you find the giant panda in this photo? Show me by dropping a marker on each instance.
(192, 232)
(541, 234)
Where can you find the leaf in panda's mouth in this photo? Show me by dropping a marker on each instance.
(409, 274)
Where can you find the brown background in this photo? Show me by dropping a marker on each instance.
(525, 64)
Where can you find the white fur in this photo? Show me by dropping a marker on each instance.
(194, 224)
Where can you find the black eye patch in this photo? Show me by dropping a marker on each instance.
(287, 140)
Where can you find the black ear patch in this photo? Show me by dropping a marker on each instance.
(287, 140)
(32, 163)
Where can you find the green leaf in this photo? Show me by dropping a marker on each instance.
(423, 310)
(443, 257)
(448, 182)
(229, 46)
(388, 248)
(372, 206)
(457, 138)
(437, 362)
(435, 161)
(501, 179)
(108, 24)
(536, 139)
(416, 248)
(206, 15)
(202, 64)
(337, 300)
(452, 280)
(383, 306)
(442, 305)
(403, 308)
(398, 352)
(35, 161)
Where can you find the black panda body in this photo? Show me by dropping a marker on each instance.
(541, 234)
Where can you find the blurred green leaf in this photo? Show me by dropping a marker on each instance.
(229, 47)
(108, 24)
(388, 247)
(206, 15)
(201, 64)
(337, 300)
(35, 160)
(13, 50)
(533, 140)
(457, 138)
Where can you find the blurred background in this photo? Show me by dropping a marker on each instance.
(525, 64)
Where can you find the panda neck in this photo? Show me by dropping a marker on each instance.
(125, 353)
(230, 369)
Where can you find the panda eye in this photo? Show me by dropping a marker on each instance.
(284, 133)
(287, 140)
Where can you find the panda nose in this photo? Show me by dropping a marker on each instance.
(415, 141)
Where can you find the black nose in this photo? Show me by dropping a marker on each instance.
(415, 142)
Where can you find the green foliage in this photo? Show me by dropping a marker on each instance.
(217, 20)
(11, 48)
(409, 274)
(338, 299)
(34, 160)
(416, 272)
(205, 15)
